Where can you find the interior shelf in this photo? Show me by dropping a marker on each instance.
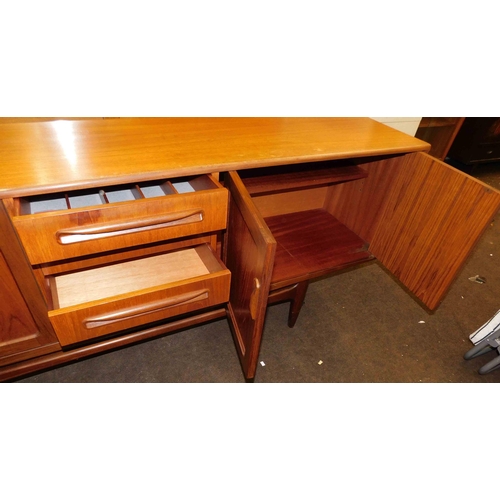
(310, 244)
(285, 178)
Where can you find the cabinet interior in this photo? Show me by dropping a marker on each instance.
(295, 202)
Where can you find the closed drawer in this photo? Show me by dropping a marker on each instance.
(485, 152)
(67, 225)
(95, 302)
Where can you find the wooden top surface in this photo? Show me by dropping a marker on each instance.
(43, 157)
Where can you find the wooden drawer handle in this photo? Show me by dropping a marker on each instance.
(152, 307)
(76, 234)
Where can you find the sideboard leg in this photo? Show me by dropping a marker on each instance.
(297, 301)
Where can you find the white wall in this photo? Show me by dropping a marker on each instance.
(407, 125)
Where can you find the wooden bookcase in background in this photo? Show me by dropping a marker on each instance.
(439, 133)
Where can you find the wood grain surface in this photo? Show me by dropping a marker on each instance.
(126, 277)
(43, 157)
(433, 218)
(311, 244)
(249, 255)
(147, 220)
(25, 328)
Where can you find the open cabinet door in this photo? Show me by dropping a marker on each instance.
(433, 218)
(249, 254)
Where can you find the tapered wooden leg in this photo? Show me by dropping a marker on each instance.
(297, 301)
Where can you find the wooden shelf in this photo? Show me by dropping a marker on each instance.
(273, 180)
(310, 244)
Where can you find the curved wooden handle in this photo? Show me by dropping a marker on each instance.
(152, 307)
(254, 298)
(103, 230)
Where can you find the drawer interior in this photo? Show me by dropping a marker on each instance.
(114, 194)
(128, 277)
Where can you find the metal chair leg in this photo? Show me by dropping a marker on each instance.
(489, 367)
(478, 350)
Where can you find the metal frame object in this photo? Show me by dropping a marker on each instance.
(485, 339)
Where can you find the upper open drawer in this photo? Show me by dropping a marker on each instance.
(66, 225)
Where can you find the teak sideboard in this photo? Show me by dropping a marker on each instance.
(118, 231)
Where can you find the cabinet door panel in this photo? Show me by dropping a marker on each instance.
(432, 220)
(249, 254)
(25, 330)
(16, 322)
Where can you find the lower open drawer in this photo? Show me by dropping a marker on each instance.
(99, 301)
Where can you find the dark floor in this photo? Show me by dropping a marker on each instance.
(359, 326)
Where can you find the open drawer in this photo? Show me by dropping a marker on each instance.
(67, 225)
(99, 301)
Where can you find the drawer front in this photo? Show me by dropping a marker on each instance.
(72, 233)
(92, 320)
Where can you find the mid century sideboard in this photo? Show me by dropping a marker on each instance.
(118, 231)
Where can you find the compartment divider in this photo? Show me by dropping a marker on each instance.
(104, 196)
(170, 186)
(139, 190)
(83, 199)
